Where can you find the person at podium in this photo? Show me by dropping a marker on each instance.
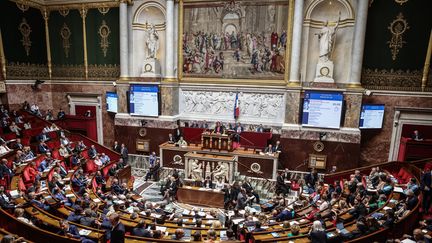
(181, 142)
(269, 150)
(219, 129)
(277, 148)
(171, 139)
(207, 183)
(238, 129)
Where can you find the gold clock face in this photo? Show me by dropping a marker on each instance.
(142, 132)
(324, 71)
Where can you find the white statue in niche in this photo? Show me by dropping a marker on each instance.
(152, 42)
(196, 170)
(326, 38)
(221, 171)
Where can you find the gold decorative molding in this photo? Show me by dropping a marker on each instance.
(67, 5)
(180, 40)
(83, 13)
(146, 26)
(397, 28)
(401, 2)
(103, 10)
(392, 79)
(288, 45)
(45, 15)
(68, 72)
(65, 34)
(104, 72)
(26, 71)
(21, 4)
(426, 66)
(2, 58)
(104, 32)
(63, 11)
(25, 30)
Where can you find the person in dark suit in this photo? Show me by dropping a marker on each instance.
(229, 197)
(5, 171)
(281, 187)
(71, 231)
(250, 191)
(207, 183)
(177, 133)
(171, 139)
(43, 148)
(92, 152)
(426, 185)
(61, 114)
(278, 147)
(116, 147)
(153, 171)
(238, 129)
(311, 178)
(411, 200)
(88, 219)
(269, 149)
(286, 174)
(416, 136)
(141, 229)
(6, 200)
(218, 128)
(124, 153)
(113, 170)
(118, 230)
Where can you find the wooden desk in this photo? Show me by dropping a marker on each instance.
(195, 196)
(214, 141)
(174, 157)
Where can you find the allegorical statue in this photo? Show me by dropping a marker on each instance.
(196, 171)
(326, 38)
(152, 42)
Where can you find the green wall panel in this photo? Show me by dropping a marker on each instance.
(94, 51)
(10, 18)
(76, 51)
(412, 55)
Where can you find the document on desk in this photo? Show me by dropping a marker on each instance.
(84, 232)
(161, 228)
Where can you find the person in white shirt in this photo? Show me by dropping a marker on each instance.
(54, 127)
(98, 161)
(220, 185)
(35, 109)
(15, 129)
(46, 129)
(181, 142)
(19, 214)
(27, 126)
(4, 148)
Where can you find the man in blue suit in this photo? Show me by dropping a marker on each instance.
(426, 186)
(71, 231)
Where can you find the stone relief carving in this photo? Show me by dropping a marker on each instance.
(252, 105)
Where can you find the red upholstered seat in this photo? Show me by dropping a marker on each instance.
(25, 141)
(91, 167)
(21, 185)
(9, 136)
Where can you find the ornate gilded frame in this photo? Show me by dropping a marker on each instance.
(240, 81)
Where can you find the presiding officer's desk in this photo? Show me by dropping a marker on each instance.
(201, 196)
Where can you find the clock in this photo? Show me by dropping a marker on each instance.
(324, 71)
(142, 132)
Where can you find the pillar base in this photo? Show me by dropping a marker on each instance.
(293, 84)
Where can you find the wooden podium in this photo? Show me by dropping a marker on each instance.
(214, 141)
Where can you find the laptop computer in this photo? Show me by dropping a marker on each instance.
(341, 229)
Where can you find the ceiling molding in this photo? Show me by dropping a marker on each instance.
(52, 5)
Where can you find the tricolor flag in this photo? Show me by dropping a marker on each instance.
(236, 107)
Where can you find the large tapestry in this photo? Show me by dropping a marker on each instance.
(235, 39)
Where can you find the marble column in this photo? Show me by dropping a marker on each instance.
(122, 89)
(170, 99)
(176, 42)
(294, 77)
(353, 108)
(169, 43)
(292, 108)
(358, 43)
(124, 50)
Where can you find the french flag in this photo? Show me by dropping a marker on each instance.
(236, 107)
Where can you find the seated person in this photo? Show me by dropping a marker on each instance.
(104, 158)
(260, 128)
(269, 149)
(19, 214)
(38, 201)
(61, 114)
(43, 148)
(4, 148)
(71, 231)
(278, 147)
(171, 139)
(59, 195)
(416, 136)
(219, 129)
(92, 152)
(76, 215)
(141, 230)
(207, 183)
(181, 142)
(113, 170)
(88, 219)
(153, 171)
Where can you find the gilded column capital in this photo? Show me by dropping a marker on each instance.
(83, 12)
(45, 13)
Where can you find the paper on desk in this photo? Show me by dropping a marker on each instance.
(398, 189)
(70, 195)
(161, 228)
(14, 193)
(84, 232)
(96, 200)
(237, 221)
